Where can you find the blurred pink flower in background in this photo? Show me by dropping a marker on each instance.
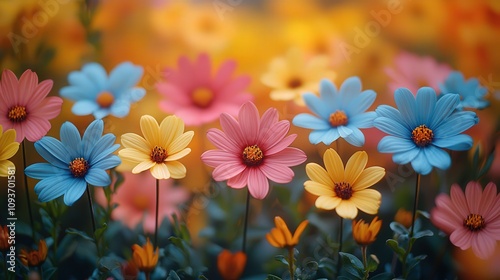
(24, 106)
(195, 95)
(136, 200)
(413, 72)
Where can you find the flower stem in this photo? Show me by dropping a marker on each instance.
(156, 211)
(91, 208)
(290, 262)
(365, 263)
(341, 231)
(246, 223)
(28, 193)
(415, 205)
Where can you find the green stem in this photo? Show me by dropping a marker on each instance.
(341, 231)
(365, 263)
(414, 217)
(91, 208)
(291, 262)
(246, 223)
(156, 211)
(28, 193)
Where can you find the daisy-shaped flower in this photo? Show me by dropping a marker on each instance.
(345, 190)
(472, 219)
(422, 127)
(8, 148)
(292, 75)
(160, 148)
(25, 106)
(197, 96)
(73, 162)
(413, 72)
(96, 93)
(252, 150)
(471, 92)
(338, 113)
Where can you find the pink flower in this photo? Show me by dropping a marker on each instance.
(194, 95)
(253, 150)
(136, 200)
(471, 219)
(25, 107)
(413, 72)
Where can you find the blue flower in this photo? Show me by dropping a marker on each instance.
(96, 93)
(73, 162)
(338, 114)
(422, 127)
(471, 92)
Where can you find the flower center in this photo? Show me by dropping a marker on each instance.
(252, 155)
(202, 97)
(422, 135)
(158, 154)
(105, 99)
(141, 202)
(343, 190)
(474, 222)
(17, 114)
(79, 167)
(338, 118)
(295, 82)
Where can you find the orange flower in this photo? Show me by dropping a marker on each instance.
(404, 217)
(231, 265)
(4, 238)
(365, 234)
(281, 237)
(144, 257)
(34, 257)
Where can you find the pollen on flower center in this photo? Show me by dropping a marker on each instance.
(158, 154)
(79, 167)
(343, 190)
(202, 97)
(474, 222)
(105, 99)
(252, 155)
(422, 135)
(295, 82)
(17, 114)
(338, 118)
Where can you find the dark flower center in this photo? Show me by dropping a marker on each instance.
(158, 154)
(252, 155)
(338, 118)
(202, 97)
(79, 167)
(17, 114)
(474, 222)
(105, 99)
(422, 135)
(343, 190)
(295, 83)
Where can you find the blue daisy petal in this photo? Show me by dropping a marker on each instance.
(356, 138)
(437, 157)
(311, 122)
(426, 99)
(53, 151)
(317, 105)
(364, 120)
(97, 177)
(43, 170)
(460, 142)
(407, 106)
(470, 91)
(84, 107)
(421, 164)
(74, 190)
(123, 77)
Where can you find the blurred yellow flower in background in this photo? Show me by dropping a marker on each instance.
(144, 257)
(365, 234)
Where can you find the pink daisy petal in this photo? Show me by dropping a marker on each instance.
(9, 88)
(174, 94)
(227, 170)
(483, 245)
(473, 194)
(203, 69)
(221, 141)
(458, 199)
(27, 85)
(273, 134)
(258, 184)
(269, 119)
(488, 200)
(237, 85)
(461, 237)
(280, 146)
(214, 158)
(232, 129)
(224, 73)
(290, 156)
(249, 120)
(277, 172)
(36, 128)
(239, 181)
(40, 92)
(48, 108)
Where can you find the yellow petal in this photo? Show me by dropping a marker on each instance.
(368, 178)
(145, 165)
(160, 171)
(132, 140)
(283, 94)
(367, 200)
(298, 231)
(281, 225)
(178, 155)
(170, 128)
(318, 174)
(347, 210)
(272, 241)
(4, 167)
(151, 130)
(8, 150)
(355, 166)
(318, 189)
(180, 142)
(8, 136)
(334, 165)
(278, 237)
(327, 202)
(133, 155)
(177, 169)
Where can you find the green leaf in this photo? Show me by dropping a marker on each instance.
(412, 262)
(100, 231)
(371, 265)
(352, 265)
(272, 277)
(49, 272)
(487, 165)
(394, 245)
(173, 276)
(383, 276)
(422, 233)
(398, 228)
(79, 233)
(281, 259)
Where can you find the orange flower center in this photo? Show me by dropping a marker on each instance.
(295, 82)
(105, 99)
(253, 155)
(474, 222)
(17, 114)
(158, 154)
(79, 167)
(422, 135)
(338, 118)
(343, 190)
(202, 97)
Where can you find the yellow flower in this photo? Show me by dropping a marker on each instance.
(345, 190)
(291, 76)
(4, 238)
(34, 257)
(281, 237)
(365, 234)
(160, 148)
(8, 148)
(144, 257)
(404, 217)
(230, 265)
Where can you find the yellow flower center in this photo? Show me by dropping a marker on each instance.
(338, 118)
(202, 97)
(105, 99)
(474, 222)
(343, 190)
(79, 167)
(17, 114)
(295, 82)
(158, 154)
(422, 135)
(252, 155)
(141, 202)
